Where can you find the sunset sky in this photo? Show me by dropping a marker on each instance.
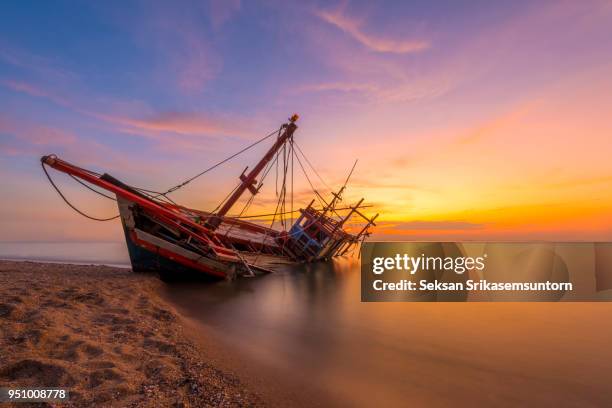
(470, 120)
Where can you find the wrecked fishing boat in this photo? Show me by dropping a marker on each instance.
(175, 241)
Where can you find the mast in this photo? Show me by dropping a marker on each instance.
(248, 182)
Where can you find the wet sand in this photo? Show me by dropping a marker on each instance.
(106, 335)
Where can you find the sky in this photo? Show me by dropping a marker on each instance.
(470, 120)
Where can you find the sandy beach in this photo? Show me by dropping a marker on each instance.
(106, 335)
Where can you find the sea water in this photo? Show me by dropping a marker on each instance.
(306, 331)
(106, 253)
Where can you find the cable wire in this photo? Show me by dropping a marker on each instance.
(172, 189)
(91, 188)
(312, 167)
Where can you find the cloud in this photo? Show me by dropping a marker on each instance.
(353, 28)
(154, 126)
(446, 230)
(26, 138)
(382, 77)
(570, 183)
(372, 69)
(34, 63)
(430, 225)
(33, 90)
(336, 86)
(404, 90)
(181, 123)
(35, 134)
(498, 124)
(387, 182)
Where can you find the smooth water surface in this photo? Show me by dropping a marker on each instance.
(306, 331)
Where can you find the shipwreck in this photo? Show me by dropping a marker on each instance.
(175, 241)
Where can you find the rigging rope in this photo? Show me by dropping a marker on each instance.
(319, 196)
(91, 188)
(281, 197)
(312, 167)
(189, 180)
(350, 174)
(287, 212)
(69, 203)
(292, 155)
(225, 199)
(149, 193)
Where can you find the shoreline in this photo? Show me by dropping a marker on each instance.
(257, 374)
(107, 335)
(64, 262)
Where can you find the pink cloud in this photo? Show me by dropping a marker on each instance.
(182, 123)
(36, 135)
(32, 90)
(337, 87)
(189, 126)
(180, 131)
(33, 139)
(353, 28)
(403, 90)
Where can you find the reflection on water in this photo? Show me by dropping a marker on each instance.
(307, 330)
